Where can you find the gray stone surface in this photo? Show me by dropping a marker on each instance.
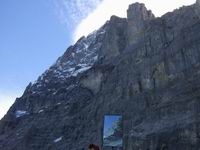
(138, 16)
(144, 68)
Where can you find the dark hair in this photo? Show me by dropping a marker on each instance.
(95, 147)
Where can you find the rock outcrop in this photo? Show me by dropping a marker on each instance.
(197, 9)
(138, 17)
(147, 69)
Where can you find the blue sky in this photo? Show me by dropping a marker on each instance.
(34, 33)
(31, 40)
(109, 122)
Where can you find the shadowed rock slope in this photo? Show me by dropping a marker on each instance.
(144, 68)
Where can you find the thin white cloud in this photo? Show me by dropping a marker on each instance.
(8, 96)
(118, 7)
(6, 100)
(71, 12)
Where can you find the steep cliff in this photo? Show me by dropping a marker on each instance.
(147, 69)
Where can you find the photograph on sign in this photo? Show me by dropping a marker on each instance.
(113, 132)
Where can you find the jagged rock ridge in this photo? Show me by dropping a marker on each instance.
(144, 68)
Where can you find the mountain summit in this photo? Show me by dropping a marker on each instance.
(144, 68)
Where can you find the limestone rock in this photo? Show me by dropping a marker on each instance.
(137, 16)
(197, 9)
(147, 69)
(198, 2)
(137, 12)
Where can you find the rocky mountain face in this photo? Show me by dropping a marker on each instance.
(145, 68)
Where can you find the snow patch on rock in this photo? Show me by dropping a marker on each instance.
(40, 111)
(58, 139)
(20, 113)
(76, 60)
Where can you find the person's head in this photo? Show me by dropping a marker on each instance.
(93, 147)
